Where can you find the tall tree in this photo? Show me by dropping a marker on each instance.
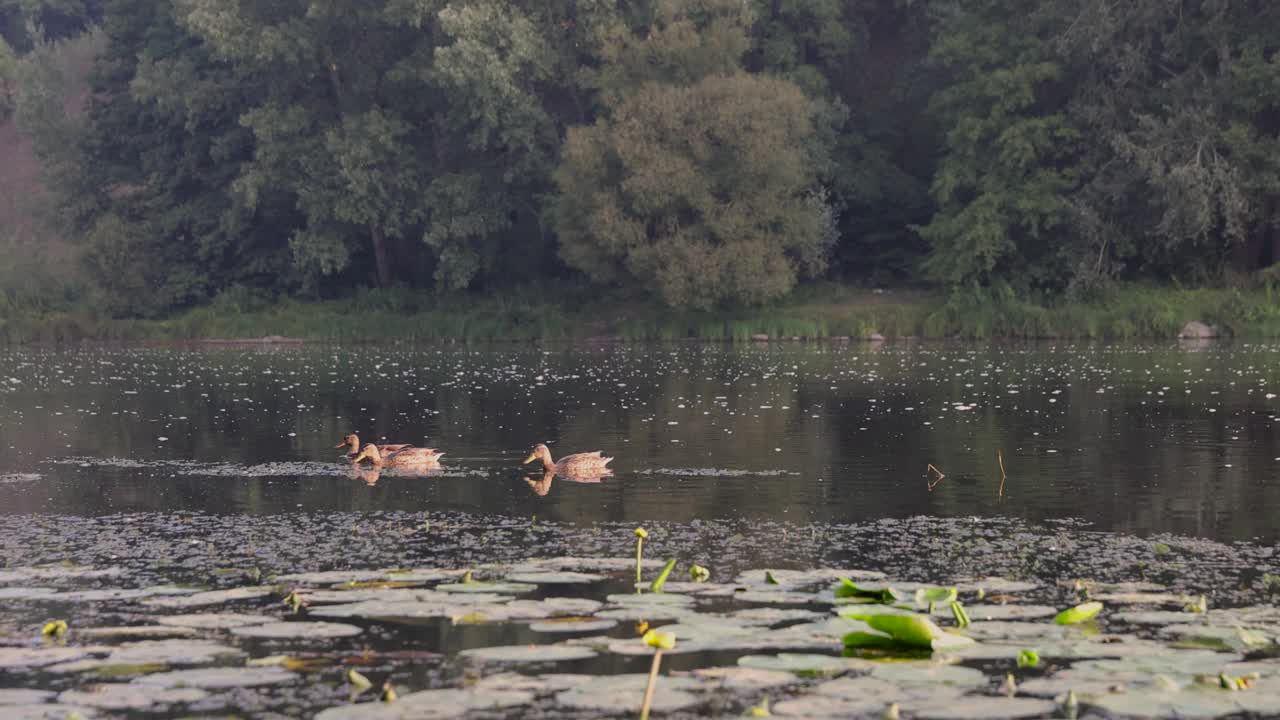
(699, 183)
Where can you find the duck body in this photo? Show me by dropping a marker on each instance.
(352, 442)
(406, 458)
(587, 463)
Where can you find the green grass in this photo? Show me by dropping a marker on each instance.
(821, 311)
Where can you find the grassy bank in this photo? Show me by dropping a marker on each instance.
(816, 312)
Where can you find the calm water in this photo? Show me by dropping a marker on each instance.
(1133, 439)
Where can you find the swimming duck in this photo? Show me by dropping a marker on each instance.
(353, 441)
(408, 458)
(592, 463)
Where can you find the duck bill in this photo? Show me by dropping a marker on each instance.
(340, 445)
(531, 458)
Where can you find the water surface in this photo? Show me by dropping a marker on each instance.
(1136, 439)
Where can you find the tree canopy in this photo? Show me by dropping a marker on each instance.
(705, 153)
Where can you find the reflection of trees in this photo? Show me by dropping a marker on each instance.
(1125, 458)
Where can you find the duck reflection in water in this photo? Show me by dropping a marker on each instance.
(542, 486)
(368, 475)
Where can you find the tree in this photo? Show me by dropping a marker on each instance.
(698, 183)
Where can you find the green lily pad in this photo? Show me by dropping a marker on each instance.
(218, 678)
(422, 575)
(1007, 630)
(1081, 613)
(995, 586)
(297, 631)
(127, 696)
(649, 600)
(806, 578)
(529, 653)
(433, 704)
(623, 694)
(1138, 598)
(543, 684)
(214, 621)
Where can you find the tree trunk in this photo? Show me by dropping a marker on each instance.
(380, 255)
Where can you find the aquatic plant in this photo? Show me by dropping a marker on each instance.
(1078, 614)
(641, 534)
(901, 631)
(661, 580)
(1028, 659)
(697, 573)
(659, 641)
(54, 629)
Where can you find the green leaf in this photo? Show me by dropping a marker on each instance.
(1028, 658)
(849, 589)
(661, 580)
(1078, 614)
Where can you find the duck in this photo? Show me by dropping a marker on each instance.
(582, 464)
(353, 441)
(409, 458)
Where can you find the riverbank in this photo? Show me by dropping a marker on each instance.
(824, 312)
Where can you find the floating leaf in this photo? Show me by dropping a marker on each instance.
(911, 630)
(847, 588)
(297, 631)
(797, 663)
(218, 678)
(1079, 614)
(529, 653)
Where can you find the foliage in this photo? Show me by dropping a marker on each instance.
(716, 154)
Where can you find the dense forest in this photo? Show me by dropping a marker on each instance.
(702, 153)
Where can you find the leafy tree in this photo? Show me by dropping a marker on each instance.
(702, 187)
(1011, 152)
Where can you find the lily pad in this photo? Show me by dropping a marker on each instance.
(978, 613)
(135, 632)
(47, 712)
(154, 652)
(624, 693)
(804, 665)
(764, 597)
(431, 705)
(213, 597)
(214, 621)
(329, 577)
(929, 674)
(298, 630)
(17, 658)
(573, 625)
(981, 708)
(741, 678)
(218, 678)
(529, 653)
(1157, 617)
(499, 588)
(127, 696)
(556, 578)
(16, 696)
(1237, 639)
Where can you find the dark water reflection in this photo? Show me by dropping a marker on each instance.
(1135, 439)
